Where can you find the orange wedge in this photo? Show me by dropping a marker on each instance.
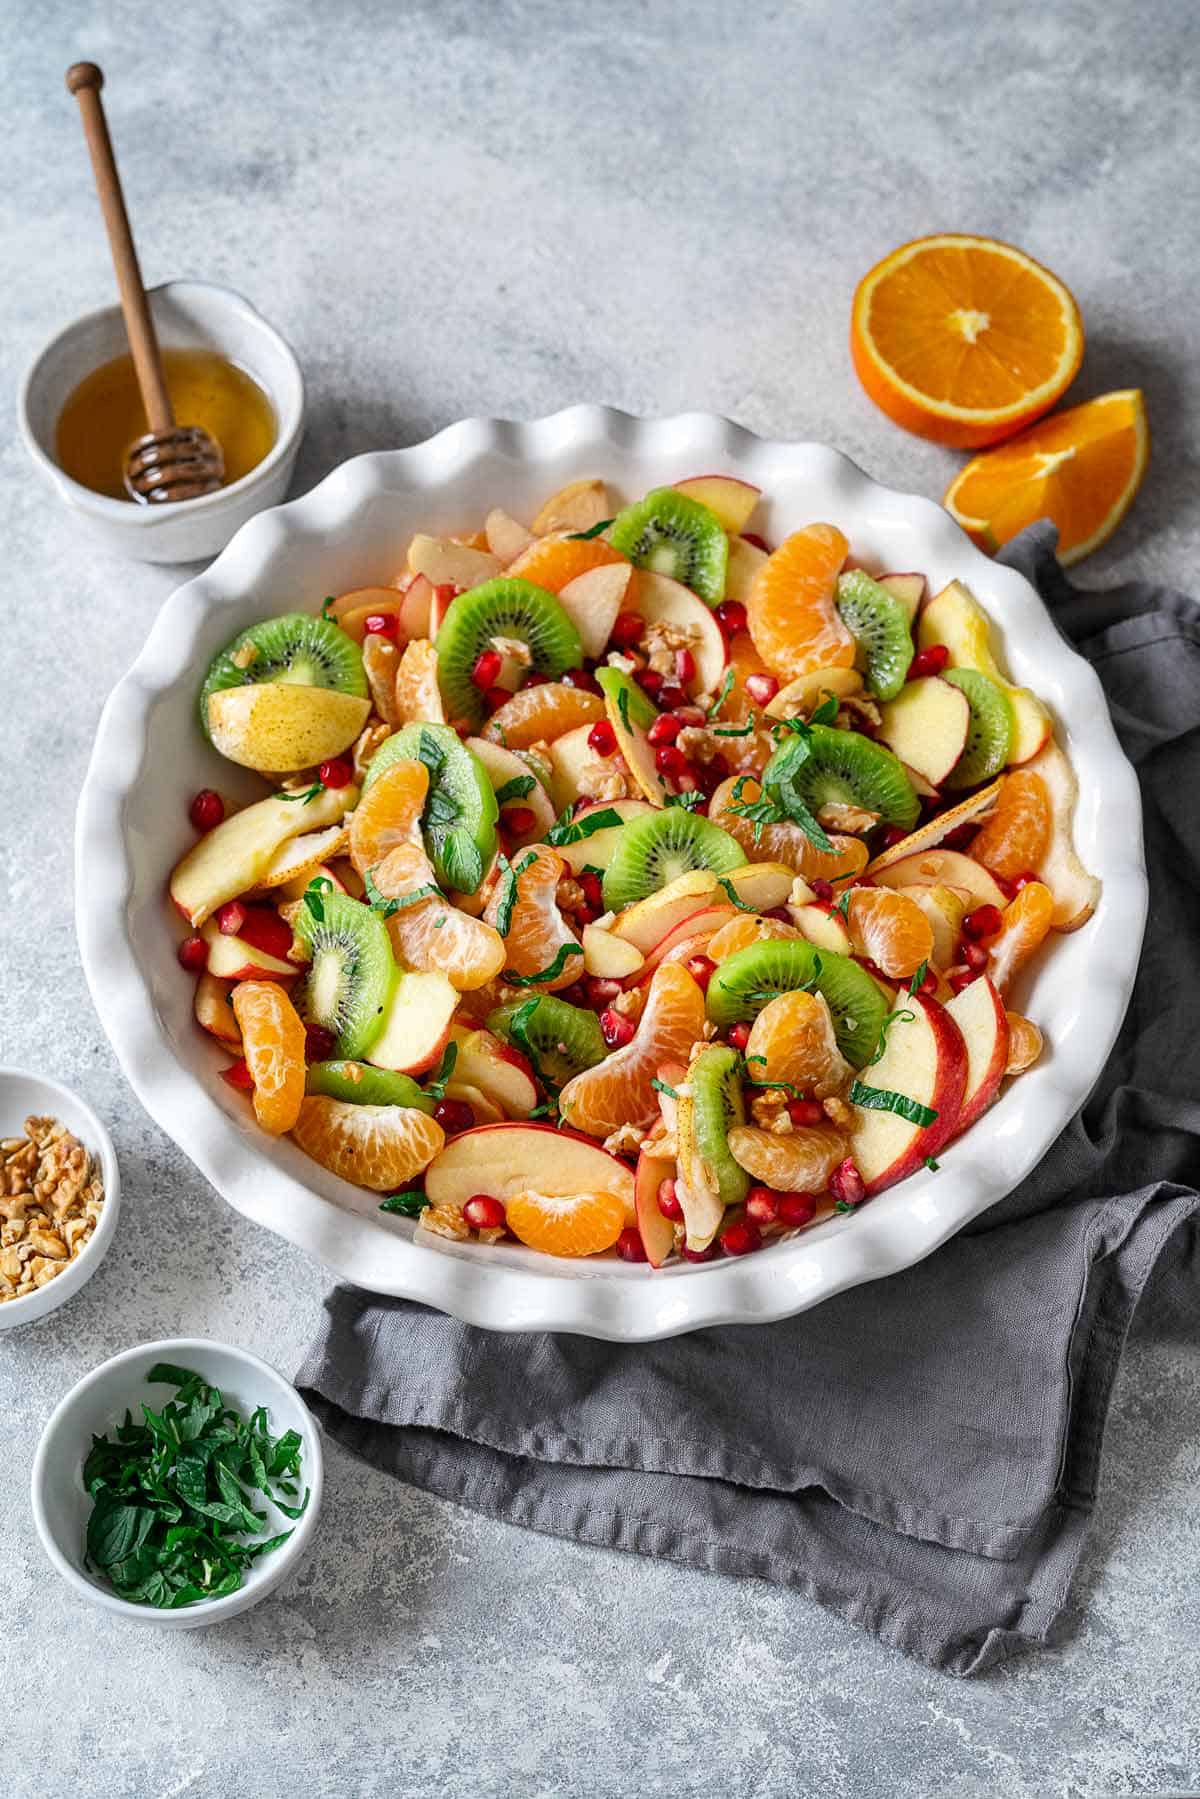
(784, 842)
(789, 607)
(432, 935)
(379, 1147)
(792, 1040)
(1016, 834)
(523, 909)
(389, 815)
(618, 1090)
(273, 1045)
(1080, 468)
(540, 714)
(964, 339)
(890, 929)
(580, 1224)
(551, 562)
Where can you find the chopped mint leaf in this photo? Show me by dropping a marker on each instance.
(689, 801)
(734, 898)
(379, 902)
(314, 896)
(883, 1099)
(914, 986)
(662, 1087)
(326, 603)
(409, 1204)
(932, 1164)
(726, 690)
(519, 788)
(545, 974)
(592, 531)
(564, 831)
(436, 1088)
(305, 798)
(826, 712)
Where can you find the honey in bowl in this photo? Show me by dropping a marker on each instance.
(104, 415)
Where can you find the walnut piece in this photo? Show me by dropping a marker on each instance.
(52, 1198)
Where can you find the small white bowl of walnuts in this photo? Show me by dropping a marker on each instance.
(59, 1195)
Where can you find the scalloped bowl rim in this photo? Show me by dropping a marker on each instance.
(1083, 989)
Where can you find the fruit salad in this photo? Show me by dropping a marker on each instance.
(622, 885)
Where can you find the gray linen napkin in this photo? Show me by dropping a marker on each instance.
(919, 1454)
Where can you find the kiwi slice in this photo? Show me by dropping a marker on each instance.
(826, 766)
(879, 623)
(351, 971)
(748, 979)
(990, 734)
(363, 1085)
(659, 847)
(298, 647)
(560, 1040)
(504, 607)
(459, 819)
(675, 535)
(717, 1105)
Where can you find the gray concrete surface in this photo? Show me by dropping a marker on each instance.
(459, 208)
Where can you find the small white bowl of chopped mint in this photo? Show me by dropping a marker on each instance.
(178, 1483)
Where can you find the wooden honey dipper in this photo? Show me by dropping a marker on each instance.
(171, 462)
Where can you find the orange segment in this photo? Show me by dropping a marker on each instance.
(273, 1045)
(800, 1161)
(890, 929)
(790, 609)
(432, 935)
(742, 931)
(537, 934)
(1080, 468)
(618, 1090)
(964, 339)
(792, 1039)
(1026, 922)
(551, 562)
(579, 1224)
(379, 1147)
(389, 814)
(785, 843)
(1016, 834)
(418, 698)
(540, 714)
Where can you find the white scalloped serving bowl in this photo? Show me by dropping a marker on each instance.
(149, 758)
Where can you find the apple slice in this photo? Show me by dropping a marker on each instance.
(276, 727)
(231, 859)
(1076, 892)
(505, 537)
(925, 837)
(487, 1063)
(236, 959)
(732, 500)
(607, 957)
(299, 859)
(296, 888)
(647, 921)
(824, 928)
(505, 769)
(592, 601)
(350, 611)
(214, 1012)
(662, 601)
(955, 618)
(570, 755)
(576, 507)
(745, 560)
(503, 1159)
(945, 868)
(925, 1059)
(945, 908)
(927, 725)
(688, 938)
(908, 589)
(657, 1232)
(416, 1024)
(979, 1013)
(806, 692)
(485, 1110)
(761, 885)
(598, 849)
(443, 561)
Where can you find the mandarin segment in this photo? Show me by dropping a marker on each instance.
(578, 1224)
(790, 606)
(889, 929)
(273, 1046)
(793, 1040)
(431, 935)
(619, 1090)
(417, 696)
(742, 931)
(799, 1161)
(523, 908)
(1016, 835)
(379, 1147)
(784, 842)
(542, 713)
(1025, 923)
(552, 562)
(388, 815)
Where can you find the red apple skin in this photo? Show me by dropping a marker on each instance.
(983, 1080)
(946, 1099)
(658, 1233)
(695, 931)
(255, 965)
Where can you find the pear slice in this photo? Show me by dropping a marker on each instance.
(276, 727)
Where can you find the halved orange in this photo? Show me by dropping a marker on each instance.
(964, 339)
(789, 606)
(273, 1045)
(1080, 469)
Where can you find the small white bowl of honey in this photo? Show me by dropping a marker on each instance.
(227, 370)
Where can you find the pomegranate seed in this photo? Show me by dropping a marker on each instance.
(318, 1043)
(780, 913)
(193, 954)
(535, 678)
(930, 661)
(671, 697)
(238, 1075)
(593, 891)
(263, 927)
(741, 1238)
(487, 666)
(380, 624)
(617, 1030)
(689, 715)
(731, 616)
(337, 772)
(1023, 879)
(685, 667)
(928, 983)
(760, 543)
(893, 835)
(601, 991)
(629, 1245)
(207, 809)
(520, 820)
(699, 1255)
(230, 918)
(805, 1111)
(762, 1205)
(822, 890)
(702, 969)
(483, 1212)
(959, 837)
(668, 1199)
(454, 1115)
(649, 680)
(960, 978)
(984, 921)
(665, 729)
(495, 697)
(602, 739)
(739, 1036)
(627, 630)
(670, 761)
(796, 1208)
(761, 688)
(975, 956)
(846, 1183)
(581, 678)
